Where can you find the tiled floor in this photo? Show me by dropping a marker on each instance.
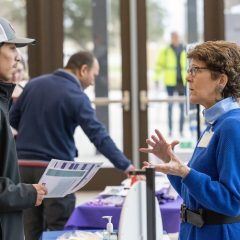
(84, 196)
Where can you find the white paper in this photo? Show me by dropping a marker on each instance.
(65, 177)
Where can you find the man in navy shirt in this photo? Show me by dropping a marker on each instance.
(46, 116)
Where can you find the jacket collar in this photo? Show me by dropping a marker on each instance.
(6, 90)
(213, 113)
(72, 77)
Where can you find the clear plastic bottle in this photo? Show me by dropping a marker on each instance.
(109, 234)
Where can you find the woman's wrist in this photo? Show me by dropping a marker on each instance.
(184, 171)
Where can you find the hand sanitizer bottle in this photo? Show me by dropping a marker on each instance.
(108, 234)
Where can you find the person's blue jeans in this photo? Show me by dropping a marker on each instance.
(180, 91)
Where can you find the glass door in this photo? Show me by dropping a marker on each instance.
(95, 26)
(171, 31)
(128, 96)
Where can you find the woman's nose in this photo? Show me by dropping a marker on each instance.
(189, 77)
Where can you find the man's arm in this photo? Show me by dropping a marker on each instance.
(98, 135)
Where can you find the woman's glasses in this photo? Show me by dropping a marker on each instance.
(194, 70)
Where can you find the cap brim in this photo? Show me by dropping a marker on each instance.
(22, 42)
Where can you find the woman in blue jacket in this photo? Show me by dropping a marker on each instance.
(210, 183)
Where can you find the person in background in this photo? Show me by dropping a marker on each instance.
(171, 64)
(14, 196)
(210, 183)
(19, 76)
(46, 115)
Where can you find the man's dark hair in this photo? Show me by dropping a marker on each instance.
(79, 59)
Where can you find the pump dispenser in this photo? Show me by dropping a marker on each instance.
(108, 234)
(109, 226)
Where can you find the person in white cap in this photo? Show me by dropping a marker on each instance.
(14, 196)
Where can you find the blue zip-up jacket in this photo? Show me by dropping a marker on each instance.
(214, 180)
(46, 114)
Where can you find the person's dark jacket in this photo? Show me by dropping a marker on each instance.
(46, 114)
(14, 196)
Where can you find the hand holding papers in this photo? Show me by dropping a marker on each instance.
(65, 177)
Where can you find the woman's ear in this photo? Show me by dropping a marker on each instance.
(220, 85)
(223, 80)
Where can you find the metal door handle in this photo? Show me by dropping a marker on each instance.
(104, 101)
(144, 100)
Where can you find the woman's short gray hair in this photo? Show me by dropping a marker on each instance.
(221, 57)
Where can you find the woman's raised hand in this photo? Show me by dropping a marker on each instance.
(159, 146)
(173, 167)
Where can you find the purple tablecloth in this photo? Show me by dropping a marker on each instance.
(87, 216)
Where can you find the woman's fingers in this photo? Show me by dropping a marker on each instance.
(145, 163)
(174, 143)
(158, 167)
(170, 151)
(160, 136)
(155, 139)
(150, 143)
(145, 150)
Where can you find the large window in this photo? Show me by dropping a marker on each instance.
(95, 26)
(232, 18)
(171, 119)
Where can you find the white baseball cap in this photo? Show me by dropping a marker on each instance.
(7, 35)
